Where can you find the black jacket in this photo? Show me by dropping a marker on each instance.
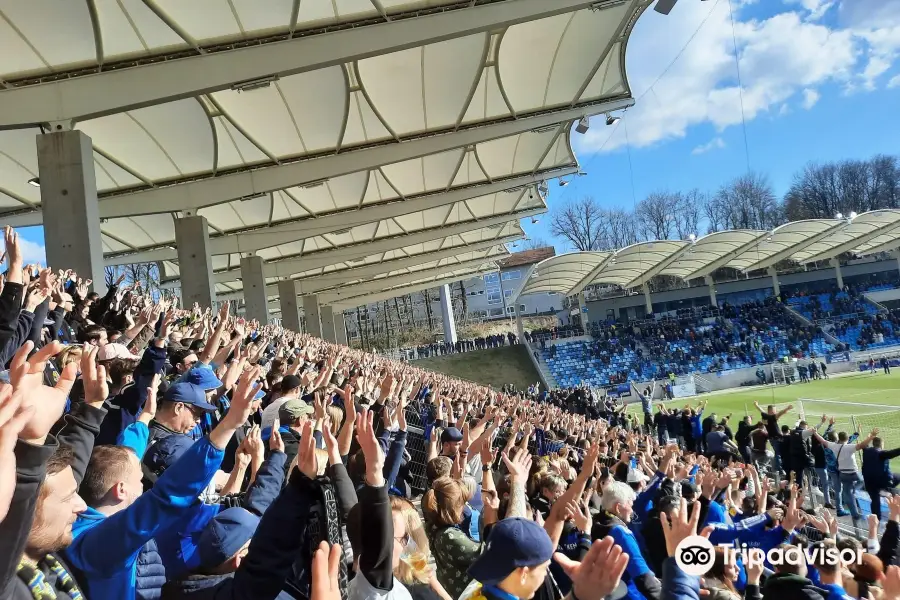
(784, 586)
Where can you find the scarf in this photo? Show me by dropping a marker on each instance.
(333, 531)
(37, 583)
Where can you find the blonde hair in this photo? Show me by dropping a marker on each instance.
(69, 354)
(443, 504)
(337, 417)
(416, 532)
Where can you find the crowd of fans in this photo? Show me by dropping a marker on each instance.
(148, 451)
(754, 333)
(445, 348)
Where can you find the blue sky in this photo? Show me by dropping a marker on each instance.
(821, 82)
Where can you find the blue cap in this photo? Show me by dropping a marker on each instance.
(225, 535)
(188, 393)
(513, 543)
(203, 376)
(451, 434)
(163, 454)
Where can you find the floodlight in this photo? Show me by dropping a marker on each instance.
(612, 120)
(35, 181)
(583, 124)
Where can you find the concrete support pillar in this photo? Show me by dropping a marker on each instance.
(328, 333)
(582, 311)
(69, 198)
(340, 329)
(520, 327)
(254, 278)
(774, 274)
(708, 280)
(447, 313)
(195, 262)
(837, 272)
(311, 312)
(648, 303)
(290, 312)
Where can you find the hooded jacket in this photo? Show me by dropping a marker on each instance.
(105, 550)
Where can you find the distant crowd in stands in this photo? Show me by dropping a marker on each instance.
(460, 346)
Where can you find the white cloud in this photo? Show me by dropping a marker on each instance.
(714, 144)
(32, 252)
(810, 97)
(782, 56)
(894, 82)
(815, 8)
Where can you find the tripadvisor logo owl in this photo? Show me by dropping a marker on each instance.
(695, 555)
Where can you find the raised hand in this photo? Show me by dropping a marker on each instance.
(325, 566)
(365, 433)
(276, 443)
(27, 378)
(599, 574)
(96, 388)
(13, 255)
(681, 526)
(519, 467)
(149, 410)
(13, 418)
(307, 461)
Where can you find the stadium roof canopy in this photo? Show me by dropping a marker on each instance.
(801, 242)
(307, 131)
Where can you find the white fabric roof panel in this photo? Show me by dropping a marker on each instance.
(708, 250)
(780, 242)
(561, 273)
(629, 264)
(868, 232)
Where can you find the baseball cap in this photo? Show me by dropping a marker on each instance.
(451, 434)
(290, 382)
(225, 535)
(188, 393)
(202, 375)
(513, 543)
(115, 350)
(293, 408)
(635, 476)
(164, 453)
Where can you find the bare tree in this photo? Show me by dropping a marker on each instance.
(688, 212)
(748, 202)
(534, 243)
(620, 229)
(821, 190)
(579, 222)
(655, 214)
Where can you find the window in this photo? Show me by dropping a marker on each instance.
(494, 298)
(511, 310)
(522, 308)
(512, 275)
(492, 278)
(496, 312)
(507, 293)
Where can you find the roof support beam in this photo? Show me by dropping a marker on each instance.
(193, 195)
(292, 231)
(88, 96)
(855, 243)
(385, 283)
(590, 277)
(348, 303)
(654, 271)
(315, 284)
(291, 266)
(725, 258)
(794, 249)
(885, 247)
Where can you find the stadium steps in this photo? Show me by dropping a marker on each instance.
(540, 364)
(880, 307)
(800, 317)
